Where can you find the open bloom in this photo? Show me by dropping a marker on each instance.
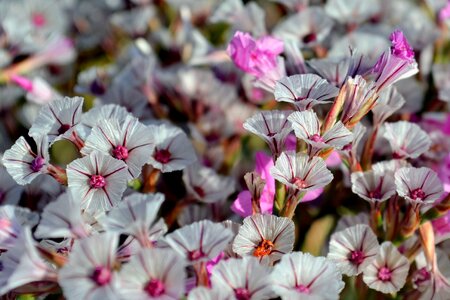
(98, 179)
(353, 249)
(243, 277)
(153, 274)
(406, 139)
(418, 185)
(304, 90)
(387, 272)
(256, 57)
(373, 186)
(90, 272)
(267, 237)
(303, 276)
(389, 101)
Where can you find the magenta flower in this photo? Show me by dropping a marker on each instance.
(441, 227)
(444, 13)
(400, 46)
(256, 57)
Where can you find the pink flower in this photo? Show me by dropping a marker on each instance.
(444, 14)
(256, 57)
(442, 227)
(400, 46)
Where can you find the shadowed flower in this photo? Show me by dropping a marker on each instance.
(407, 139)
(373, 186)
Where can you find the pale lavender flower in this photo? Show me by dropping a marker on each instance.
(10, 191)
(90, 271)
(58, 119)
(200, 241)
(299, 172)
(96, 115)
(388, 271)
(129, 141)
(205, 185)
(272, 126)
(351, 220)
(23, 164)
(373, 186)
(173, 150)
(244, 277)
(98, 179)
(304, 91)
(204, 293)
(267, 237)
(389, 101)
(353, 11)
(153, 274)
(353, 249)
(303, 276)
(418, 185)
(407, 139)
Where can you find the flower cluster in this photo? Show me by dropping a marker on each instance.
(206, 149)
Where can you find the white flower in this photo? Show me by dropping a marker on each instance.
(90, 271)
(173, 150)
(388, 271)
(299, 172)
(305, 90)
(136, 215)
(153, 274)
(351, 220)
(243, 277)
(126, 140)
(267, 237)
(388, 103)
(204, 293)
(352, 11)
(418, 185)
(98, 179)
(303, 276)
(200, 241)
(23, 164)
(373, 186)
(12, 221)
(353, 249)
(206, 185)
(407, 140)
(58, 119)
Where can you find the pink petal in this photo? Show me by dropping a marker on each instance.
(312, 195)
(243, 204)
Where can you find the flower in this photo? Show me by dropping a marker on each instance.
(303, 276)
(90, 271)
(418, 185)
(444, 13)
(173, 150)
(266, 237)
(10, 191)
(129, 141)
(388, 271)
(353, 11)
(406, 139)
(400, 47)
(305, 90)
(38, 90)
(373, 186)
(243, 277)
(256, 57)
(353, 249)
(96, 115)
(153, 274)
(23, 164)
(299, 172)
(98, 179)
(389, 101)
(199, 241)
(204, 293)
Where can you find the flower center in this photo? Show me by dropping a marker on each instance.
(303, 289)
(311, 37)
(417, 194)
(199, 191)
(422, 275)
(63, 128)
(300, 183)
(97, 87)
(155, 288)
(120, 152)
(242, 294)
(375, 194)
(37, 164)
(356, 257)
(264, 248)
(97, 181)
(316, 138)
(101, 276)
(384, 274)
(163, 156)
(38, 19)
(195, 254)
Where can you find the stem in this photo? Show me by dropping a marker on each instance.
(332, 115)
(201, 274)
(367, 154)
(376, 219)
(280, 197)
(151, 181)
(58, 173)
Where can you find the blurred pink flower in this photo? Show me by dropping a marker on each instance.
(400, 46)
(444, 13)
(256, 57)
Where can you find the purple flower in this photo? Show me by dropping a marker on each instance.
(254, 56)
(400, 46)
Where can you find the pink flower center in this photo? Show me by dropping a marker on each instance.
(242, 294)
(5, 224)
(417, 194)
(375, 194)
(356, 257)
(63, 128)
(195, 254)
(300, 183)
(384, 274)
(303, 289)
(37, 164)
(120, 152)
(162, 156)
(155, 288)
(38, 19)
(199, 191)
(97, 181)
(316, 138)
(311, 37)
(422, 275)
(101, 276)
